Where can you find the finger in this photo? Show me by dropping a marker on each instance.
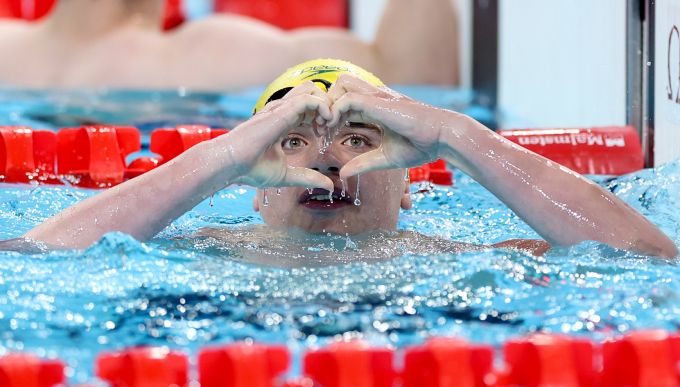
(349, 83)
(305, 177)
(358, 103)
(369, 161)
(310, 88)
(305, 103)
(307, 87)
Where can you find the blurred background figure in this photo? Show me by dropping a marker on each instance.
(148, 44)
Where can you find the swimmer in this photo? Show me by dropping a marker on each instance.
(336, 128)
(119, 44)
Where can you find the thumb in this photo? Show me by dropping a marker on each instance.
(369, 161)
(305, 177)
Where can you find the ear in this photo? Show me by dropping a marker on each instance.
(406, 202)
(256, 201)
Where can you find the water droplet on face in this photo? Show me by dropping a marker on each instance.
(406, 175)
(310, 190)
(330, 196)
(344, 189)
(265, 199)
(278, 191)
(357, 202)
(211, 200)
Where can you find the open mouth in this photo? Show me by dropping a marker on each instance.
(319, 198)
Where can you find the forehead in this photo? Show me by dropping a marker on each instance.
(366, 128)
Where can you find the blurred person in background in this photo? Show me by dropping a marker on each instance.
(120, 44)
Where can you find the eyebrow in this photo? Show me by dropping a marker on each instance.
(364, 125)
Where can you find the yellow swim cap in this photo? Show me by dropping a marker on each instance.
(323, 72)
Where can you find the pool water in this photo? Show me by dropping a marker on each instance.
(187, 292)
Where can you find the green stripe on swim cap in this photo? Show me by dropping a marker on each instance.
(323, 72)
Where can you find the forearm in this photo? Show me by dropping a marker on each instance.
(140, 207)
(562, 206)
(417, 42)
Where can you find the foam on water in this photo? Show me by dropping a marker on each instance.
(190, 292)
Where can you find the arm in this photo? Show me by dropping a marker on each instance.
(145, 205)
(561, 205)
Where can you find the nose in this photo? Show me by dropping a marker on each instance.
(326, 162)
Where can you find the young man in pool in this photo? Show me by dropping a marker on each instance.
(357, 137)
(119, 44)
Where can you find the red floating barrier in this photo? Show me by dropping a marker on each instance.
(434, 172)
(27, 154)
(350, 364)
(644, 358)
(612, 150)
(290, 14)
(174, 15)
(548, 360)
(242, 365)
(24, 370)
(26, 9)
(447, 362)
(170, 142)
(143, 367)
(95, 155)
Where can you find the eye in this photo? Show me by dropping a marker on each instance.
(293, 142)
(356, 141)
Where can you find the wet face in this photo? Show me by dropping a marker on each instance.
(370, 202)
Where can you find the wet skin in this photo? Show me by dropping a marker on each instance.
(381, 193)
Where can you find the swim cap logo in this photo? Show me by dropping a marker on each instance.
(318, 70)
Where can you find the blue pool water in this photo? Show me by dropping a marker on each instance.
(188, 292)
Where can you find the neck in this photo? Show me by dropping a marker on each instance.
(90, 18)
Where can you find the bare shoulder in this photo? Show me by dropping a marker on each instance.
(434, 244)
(224, 52)
(10, 25)
(428, 244)
(225, 26)
(320, 42)
(12, 31)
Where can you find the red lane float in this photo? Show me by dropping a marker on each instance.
(435, 173)
(290, 14)
(643, 358)
(25, 9)
(444, 362)
(171, 142)
(25, 370)
(350, 364)
(143, 367)
(646, 358)
(174, 15)
(548, 360)
(94, 156)
(27, 154)
(242, 364)
(612, 150)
